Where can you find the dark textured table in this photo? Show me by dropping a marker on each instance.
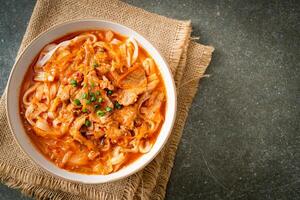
(242, 136)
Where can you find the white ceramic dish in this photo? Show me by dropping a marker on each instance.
(13, 95)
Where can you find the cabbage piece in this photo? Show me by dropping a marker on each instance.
(48, 55)
(117, 156)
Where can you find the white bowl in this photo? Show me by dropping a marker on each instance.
(13, 95)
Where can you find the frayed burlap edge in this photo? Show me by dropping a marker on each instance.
(186, 98)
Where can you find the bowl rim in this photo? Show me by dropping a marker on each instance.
(10, 115)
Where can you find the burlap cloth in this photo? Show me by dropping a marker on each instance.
(187, 60)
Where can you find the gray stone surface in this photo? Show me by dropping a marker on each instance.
(241, 139)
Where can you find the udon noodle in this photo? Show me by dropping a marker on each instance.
(93, 102)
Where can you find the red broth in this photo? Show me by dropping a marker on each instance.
(96, 104)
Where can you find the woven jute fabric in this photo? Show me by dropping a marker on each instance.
(188, 62)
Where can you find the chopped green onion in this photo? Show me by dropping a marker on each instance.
(97, 106)
(93, 98)
(88, 101)
(88, 123)
(84, 95)
(84, 85)
(73, 83)
(109, 92)
(100, 100)
(117, 105)
(97, 93)
(100, 113)
(84, 110)
(77, 102)
(108, 109)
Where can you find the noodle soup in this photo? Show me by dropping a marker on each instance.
(93, 102)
